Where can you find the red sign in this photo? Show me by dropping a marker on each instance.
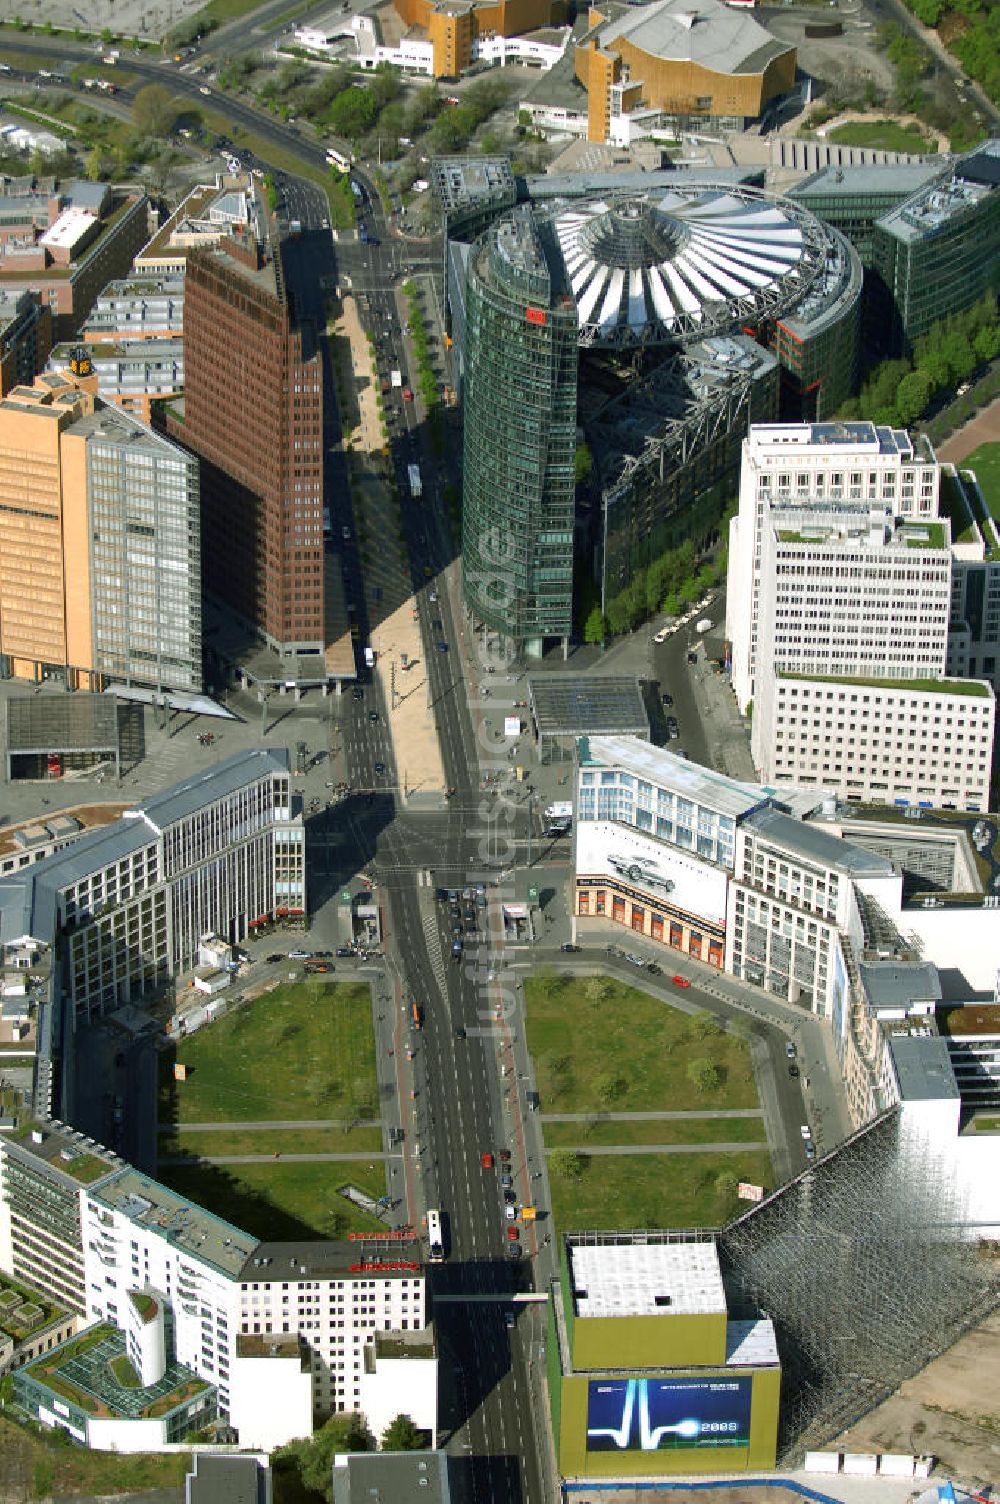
(406, 1236)
(387, 1268)
(536, 316)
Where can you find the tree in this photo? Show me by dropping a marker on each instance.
(703, 1075)
(313, 1456)
(594, 627)
(154, 110)
(596, 990)
(565, 1164)
(583, 464)
(610, 1089)
(402, 1436)
(95, 165)
(726, 1185)
(913, 395)
(703, 1025)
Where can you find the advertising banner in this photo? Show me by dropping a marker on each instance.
(653, 1415)
(658, 870)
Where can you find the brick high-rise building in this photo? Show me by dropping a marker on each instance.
(253, 412)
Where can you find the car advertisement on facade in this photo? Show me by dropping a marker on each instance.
(654, 1415)
(659, 872)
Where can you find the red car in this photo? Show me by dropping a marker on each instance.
(505, 1156)
(486, 1160)
(680, 981)
(512, 1234)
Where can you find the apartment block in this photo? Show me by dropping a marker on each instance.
(25, 338)
(100, 555)
(145, 305)
(838, 612)
(132, 374)
(248, 353)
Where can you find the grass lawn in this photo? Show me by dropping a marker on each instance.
(286, 1140)
(651, 1131)
(629, 1052)
(885, 135)
(654, 1190)
(44, 1465)
(304, 1050)
(986, 462)
(225, 10)
(278, 1200)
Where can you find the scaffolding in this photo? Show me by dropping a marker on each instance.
(861, 1264)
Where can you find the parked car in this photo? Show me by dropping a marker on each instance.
(510, 1212)
(513, 1251)
(300, 955)
(568, 945)
(793, 1071)
(344, 950)
(805, 1131)
(680, 981)
(810, 1150)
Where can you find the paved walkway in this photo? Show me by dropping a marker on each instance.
(984, 428)
(588, 1149)
(643, 1117)
(260, 1127)
(265, 1159)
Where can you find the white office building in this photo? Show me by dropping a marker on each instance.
(840, 592)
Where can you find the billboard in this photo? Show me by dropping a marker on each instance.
(656, 1415)
(662, 872)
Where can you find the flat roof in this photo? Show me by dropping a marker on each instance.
(228, 1480)
(646, 1279)
(923, 1068)
(368, 1477)
(65, 1149)
(818, 845)
(148, 1204)
(215, 783)
(967, 1019)
(893, 984)
(751, 1343)
(701, 785)
(292, 1262)
(61, 723)
(582, 704)
(70, 227)
(898, 181)
(972, 180)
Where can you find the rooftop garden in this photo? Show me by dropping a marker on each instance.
(974, 1018)
(955, 507)
(93, 1373)
(22, 1311)
(974, 687)
(144, 1304)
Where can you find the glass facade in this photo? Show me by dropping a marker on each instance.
(520, 436)
(145, 533)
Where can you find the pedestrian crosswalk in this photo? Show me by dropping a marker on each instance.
(433, 937)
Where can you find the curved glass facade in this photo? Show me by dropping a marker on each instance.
(519, 400)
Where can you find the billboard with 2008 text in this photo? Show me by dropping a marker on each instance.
(651, 1415)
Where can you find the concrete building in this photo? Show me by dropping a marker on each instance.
(668, 65)
(65, 245)
(100, 566)
(148, 305)
(131, 374)
(200, 221)
(840, 585)
(454, 28)
(248, 352)
(648, 1375)
(25, 338)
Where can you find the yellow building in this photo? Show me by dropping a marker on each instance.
(100, 574)
(648, 1375)
(687, 61)
(453, 26)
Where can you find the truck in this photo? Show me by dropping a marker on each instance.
(369, 657)
(396, 378)
(562, 810)
(416, 483)
(295, 228)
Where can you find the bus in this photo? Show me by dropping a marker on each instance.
(416, 1015)
(338, 159)
(435, 1237)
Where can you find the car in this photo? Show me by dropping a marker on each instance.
(510, 1212)
(204, 89)
(507, 1181)
(323, 955)
(810, 1150)
(793, 1071)
(508, 1318)
(680, 981)
(633, 959)
(311, 968)
(357, 693)
(666, 700)
(300, 955)
(790, 1049)
(456, 950)
(805, 1131)
(486, 1159)
(513, 1251)
(460, 1033)
(442, 647)
(510, 1197)
(569, 947)
(344, 950)
(379, 769)
(274, 957)
(654, 970)
(504, 1156)
(432, 597)
(661, 635)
